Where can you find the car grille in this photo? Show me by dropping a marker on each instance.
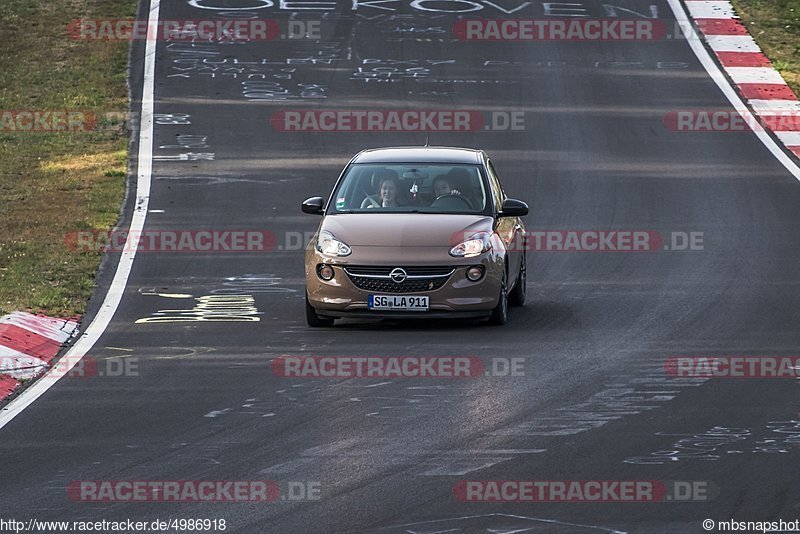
(420, 279)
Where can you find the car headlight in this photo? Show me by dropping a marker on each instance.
(472, 247)
(328, 245)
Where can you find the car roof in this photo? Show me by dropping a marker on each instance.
(416, 154)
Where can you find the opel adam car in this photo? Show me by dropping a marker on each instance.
(416, 232)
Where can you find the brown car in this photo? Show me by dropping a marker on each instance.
(416, 232)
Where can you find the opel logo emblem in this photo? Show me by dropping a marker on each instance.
(398, 275)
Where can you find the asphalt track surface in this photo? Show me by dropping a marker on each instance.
(594, 402)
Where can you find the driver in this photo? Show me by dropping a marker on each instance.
(441, 187)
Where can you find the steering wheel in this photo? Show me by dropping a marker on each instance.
(448, 196)
(371, 199)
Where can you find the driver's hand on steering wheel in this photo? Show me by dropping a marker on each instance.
(454, 192)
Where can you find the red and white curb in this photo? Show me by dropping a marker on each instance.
(28, 343)
(762, 87)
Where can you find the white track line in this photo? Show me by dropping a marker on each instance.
(117, 289)
(719, 78)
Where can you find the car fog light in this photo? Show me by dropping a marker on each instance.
(325, 272)
(475, 273)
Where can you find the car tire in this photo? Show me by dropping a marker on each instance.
(499, 314)
(314, 320)
(518, 294)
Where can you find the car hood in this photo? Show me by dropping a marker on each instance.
(405, 229)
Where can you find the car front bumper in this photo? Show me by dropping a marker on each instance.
(457, 297)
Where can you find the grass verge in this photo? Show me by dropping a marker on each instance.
(55, 183)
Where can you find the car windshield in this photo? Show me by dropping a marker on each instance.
(411, 187)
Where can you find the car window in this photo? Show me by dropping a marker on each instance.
(409, 187)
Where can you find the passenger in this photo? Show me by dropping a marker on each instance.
(383, 179)
(387, 193)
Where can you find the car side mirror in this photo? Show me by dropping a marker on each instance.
(513, 208)
(313, 205)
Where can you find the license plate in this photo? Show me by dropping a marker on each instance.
(398, 302)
